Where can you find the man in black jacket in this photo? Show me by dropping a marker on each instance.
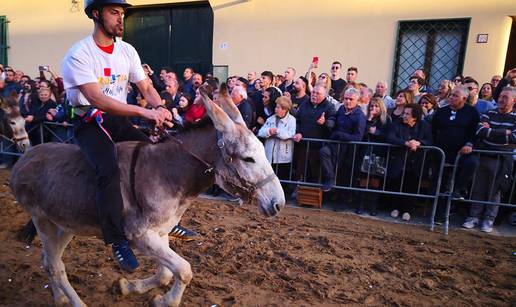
(314, 119)
(239, 96)
(453, 129)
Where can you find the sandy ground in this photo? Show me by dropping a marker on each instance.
(301, 258)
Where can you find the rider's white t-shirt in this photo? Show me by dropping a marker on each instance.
(85, 63)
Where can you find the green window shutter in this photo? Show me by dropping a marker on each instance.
(3, 40)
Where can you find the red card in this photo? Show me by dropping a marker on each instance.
(107, 72)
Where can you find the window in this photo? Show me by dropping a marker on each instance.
(3, 40)
(437, 46)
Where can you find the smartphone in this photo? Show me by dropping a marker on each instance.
(315, 60)
(43, 68)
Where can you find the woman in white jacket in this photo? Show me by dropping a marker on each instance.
(278, 131)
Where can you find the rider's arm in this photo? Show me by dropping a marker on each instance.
(149, 92)
(105, 103)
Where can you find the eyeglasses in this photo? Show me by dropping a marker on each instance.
(457, 80)
(335, 67)
(453, 115)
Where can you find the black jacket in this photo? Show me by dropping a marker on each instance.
(246, 110)
(398, 134)
(307, 116)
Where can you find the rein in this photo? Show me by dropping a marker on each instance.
(249, 188)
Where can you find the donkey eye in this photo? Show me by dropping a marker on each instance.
(13, 123)
(248, 160)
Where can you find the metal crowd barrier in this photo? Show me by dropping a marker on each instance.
(431, 171)
(493, 189)
(433, 164)
(49, 127)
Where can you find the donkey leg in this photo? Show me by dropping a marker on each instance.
(153, 245)
(54, 241)
(161, 278)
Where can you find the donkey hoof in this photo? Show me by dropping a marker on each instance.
(158, 301)
(124, 286)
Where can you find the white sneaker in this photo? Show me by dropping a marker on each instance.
(487, 226)
(405, 216)
(395, 213)
(471, 222)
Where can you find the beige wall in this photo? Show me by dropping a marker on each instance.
(273, 34)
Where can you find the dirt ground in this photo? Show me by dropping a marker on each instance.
(301, 258)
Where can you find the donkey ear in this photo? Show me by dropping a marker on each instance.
(220, 119)
(227, 104)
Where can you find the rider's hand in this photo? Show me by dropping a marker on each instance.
(166, 113)
(159, 116)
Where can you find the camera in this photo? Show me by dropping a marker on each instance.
(43, 68)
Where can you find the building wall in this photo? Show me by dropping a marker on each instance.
(271, 34)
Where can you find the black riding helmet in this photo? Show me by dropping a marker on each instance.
(90, 5)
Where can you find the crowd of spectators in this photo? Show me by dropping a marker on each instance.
(285, 110)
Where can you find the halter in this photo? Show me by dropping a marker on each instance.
(249, 188)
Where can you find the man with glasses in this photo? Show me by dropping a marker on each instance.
(415, 84)
(453, 129)
(337, 83)
(482, 105)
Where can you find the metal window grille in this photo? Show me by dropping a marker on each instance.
(3, 40)
(437, 46)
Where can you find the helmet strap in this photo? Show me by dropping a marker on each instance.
(100, 21)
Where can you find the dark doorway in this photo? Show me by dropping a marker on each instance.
(510, 58)
(174, 35)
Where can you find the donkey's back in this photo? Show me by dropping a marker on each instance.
(54, 180)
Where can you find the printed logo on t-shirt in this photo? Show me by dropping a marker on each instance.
(112, 85)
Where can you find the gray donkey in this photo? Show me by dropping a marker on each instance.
(56, 186)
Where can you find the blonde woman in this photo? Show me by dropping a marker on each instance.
(445, 88)
(377, 126)
(278, 131)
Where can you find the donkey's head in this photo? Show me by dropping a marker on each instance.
(13, 122)
(242, 168)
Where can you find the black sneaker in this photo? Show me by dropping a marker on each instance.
(179, 232)
(125, 256)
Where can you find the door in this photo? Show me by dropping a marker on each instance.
(174, 35)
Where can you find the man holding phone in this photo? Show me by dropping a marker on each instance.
(96, 73)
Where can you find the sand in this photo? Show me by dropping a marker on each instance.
(300, 258)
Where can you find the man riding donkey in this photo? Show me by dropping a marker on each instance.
(96, 72)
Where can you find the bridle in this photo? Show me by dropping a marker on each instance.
(249, 189)
(14, 139)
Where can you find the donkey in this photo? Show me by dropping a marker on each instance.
(157, 181)
(12, 124)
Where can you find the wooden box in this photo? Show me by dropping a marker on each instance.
(311, 196)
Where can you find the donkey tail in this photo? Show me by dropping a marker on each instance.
(27, 233)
